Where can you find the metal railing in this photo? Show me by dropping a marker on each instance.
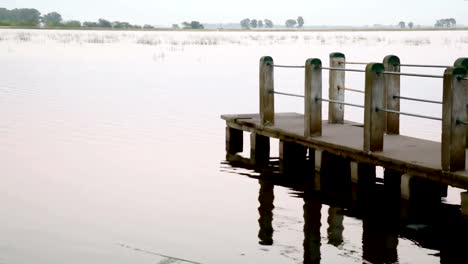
(338, 102)
(413, 74)
(408, 114)
(417, 99)
(342, 69)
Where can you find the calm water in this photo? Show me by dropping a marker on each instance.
(112, 151)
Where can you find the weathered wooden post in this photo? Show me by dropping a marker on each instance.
(259, 149)
(336, 90)
(392, 89)
(267, 102)
(313, 94)
(463, 62)
(234, 140)
(453, 111)
(374, 120)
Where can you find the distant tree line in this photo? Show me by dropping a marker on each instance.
(248, 23)
(446, 22)
(29, 17)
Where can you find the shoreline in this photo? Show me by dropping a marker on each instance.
(245, 30)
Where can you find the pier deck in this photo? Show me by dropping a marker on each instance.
(418, 157)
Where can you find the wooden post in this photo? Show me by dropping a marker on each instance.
(313, 92)
(234, 140)
(453, 111)
(267, 102)
(392, 89)
(463, 62)
(259, 149)
(336, 91)
(292, 157)
(374, 120)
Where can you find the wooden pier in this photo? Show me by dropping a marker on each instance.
(310, 137)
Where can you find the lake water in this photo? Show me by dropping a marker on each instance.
(112, 150)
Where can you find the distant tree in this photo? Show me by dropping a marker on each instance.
(253, 23)
(300, 22)
(260, 23)
(192, 25)
(90, 24)
(290, 23)
(20, 17)
(136, 26)
(196, 25)
(452, 21)
(410, 25)
(245, 23)
(146, 26)
(121, 25)
(72, 24)
(104, 23)
(186, 25)
(175, 26)
(268, 23)
(402, 24)
(446, 22)
(52, 19)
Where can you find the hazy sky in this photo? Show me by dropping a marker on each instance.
(315, 12)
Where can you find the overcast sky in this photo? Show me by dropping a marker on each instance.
(315, 12)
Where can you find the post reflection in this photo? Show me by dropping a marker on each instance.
(312, 223)
(266, 198)
(335, 226)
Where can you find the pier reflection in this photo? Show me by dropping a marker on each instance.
(385, 218)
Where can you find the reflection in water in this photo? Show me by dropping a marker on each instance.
(265, 221)
(335, 226)
(385, 219)
(312, 223)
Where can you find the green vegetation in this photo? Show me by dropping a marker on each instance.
(24, 17)
(28, 17)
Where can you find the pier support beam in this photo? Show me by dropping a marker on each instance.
(292, 157)
(234, 140)
(259, 149)
(464, 204)
(421, 190)
(362, 173)
(335, 174)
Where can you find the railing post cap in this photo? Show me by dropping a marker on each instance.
(337, 55)
(375, 67)
(392, 59)
(266, 59)
(461, 62)
(454, 71)
(314, 61)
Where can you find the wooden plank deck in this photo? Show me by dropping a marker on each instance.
(410, 155)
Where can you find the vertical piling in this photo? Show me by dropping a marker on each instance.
(374, 120)
(463, 62)
(453, 111)
(234, 140)
(392, 89)
(313, 92)
(292, 157)
(259, 149)
(267, 102)
(336, 91)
